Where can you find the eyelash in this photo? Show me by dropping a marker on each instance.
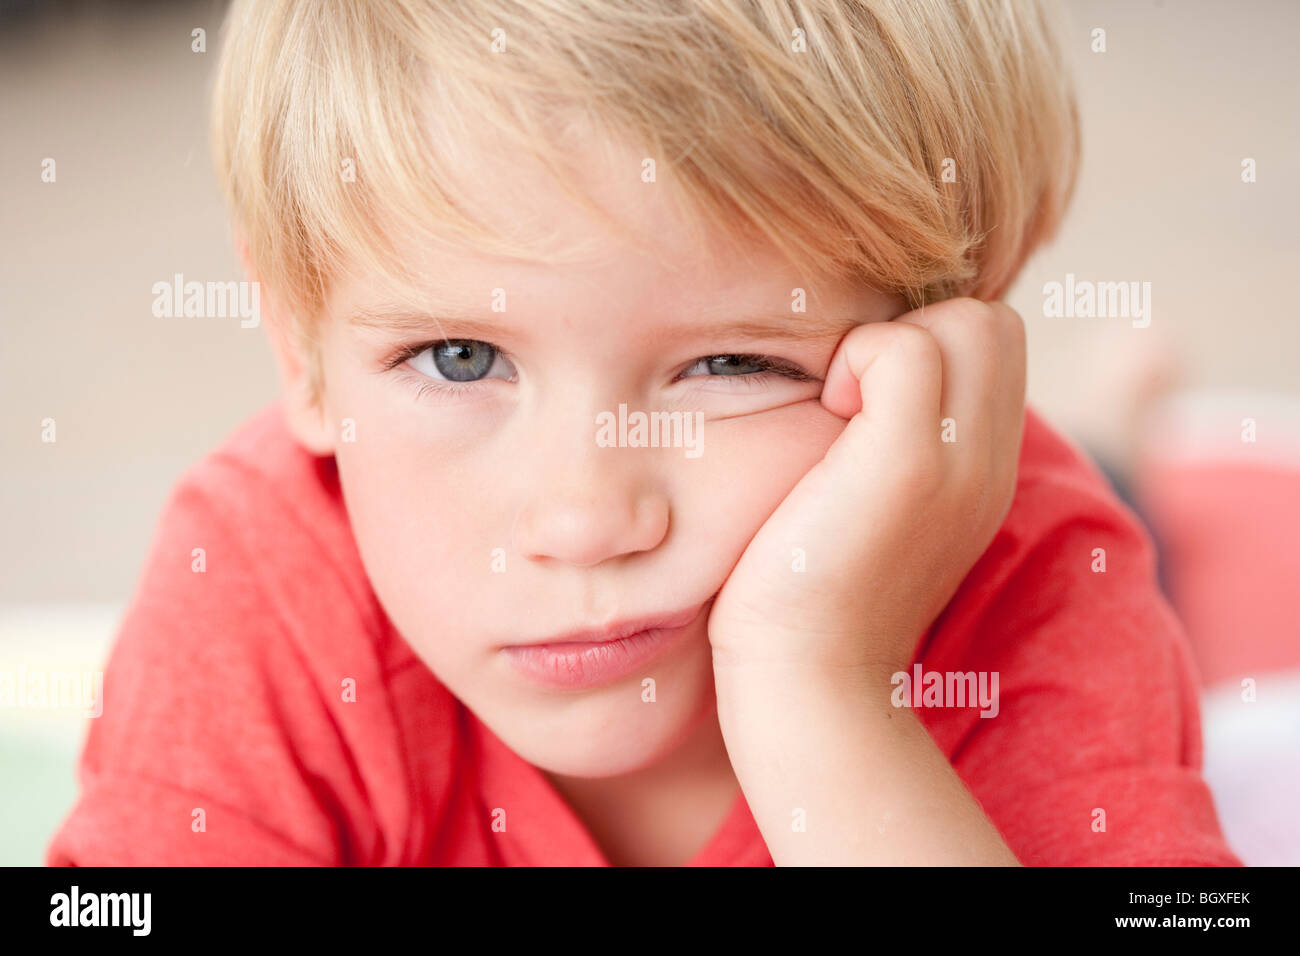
(406, 353)
(766, 365)
(428, 386)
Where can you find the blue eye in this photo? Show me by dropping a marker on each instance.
(733, 365)
(739, 365)
(461, 360)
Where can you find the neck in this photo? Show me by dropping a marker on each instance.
(662, 814)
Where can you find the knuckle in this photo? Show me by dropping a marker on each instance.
(1009, 324)
(992, 330)
(864, 332)
(915, 344)
(966, 324)
(983, 326)
(968, 310)
(992, 320)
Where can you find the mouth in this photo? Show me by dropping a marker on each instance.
(593, 656)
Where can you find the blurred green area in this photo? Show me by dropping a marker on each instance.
(39, 788)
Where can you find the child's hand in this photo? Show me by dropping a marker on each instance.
(864, 552)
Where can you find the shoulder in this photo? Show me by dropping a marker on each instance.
(1069, 577)
(255, 541)
(256, 675)
(1058, 481)
(1065, 522)
(267, 491)
(276, 526)
(1094, 708)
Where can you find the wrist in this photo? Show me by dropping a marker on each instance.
(851, 665)
(766, 704)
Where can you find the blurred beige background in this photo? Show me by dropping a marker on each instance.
(113, 93)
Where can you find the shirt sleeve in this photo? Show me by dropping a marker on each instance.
(1094, 754)
(213, 746)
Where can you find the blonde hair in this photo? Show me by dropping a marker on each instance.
(921, 147)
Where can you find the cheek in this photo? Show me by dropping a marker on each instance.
(420, 502)
(422, 530)
(412, 515)
(429, 506)
(749, 465)
(413, 523)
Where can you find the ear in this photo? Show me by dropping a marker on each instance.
(307, 422)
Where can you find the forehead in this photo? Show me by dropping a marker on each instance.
(661, 258)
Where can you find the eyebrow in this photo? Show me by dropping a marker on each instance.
(415, 322)
(795, 327)
(789, 328)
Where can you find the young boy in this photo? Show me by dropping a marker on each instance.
(652, 482)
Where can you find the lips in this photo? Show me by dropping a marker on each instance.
(592, 656)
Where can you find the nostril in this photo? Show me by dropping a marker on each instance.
(585, 532)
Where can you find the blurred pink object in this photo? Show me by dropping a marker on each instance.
(1219, 482)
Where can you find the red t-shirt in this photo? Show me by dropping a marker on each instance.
(224, 694)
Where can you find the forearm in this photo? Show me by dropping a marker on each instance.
(835, 775)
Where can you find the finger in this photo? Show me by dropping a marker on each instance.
(963, 330)
(891, 374)
(1011, 378)
(983, 348)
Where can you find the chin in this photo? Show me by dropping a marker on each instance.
(606, 734)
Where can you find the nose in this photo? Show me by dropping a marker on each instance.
(592, 509)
